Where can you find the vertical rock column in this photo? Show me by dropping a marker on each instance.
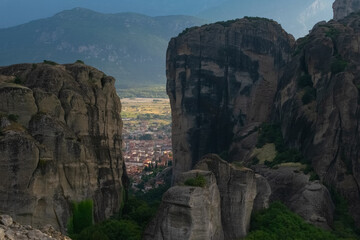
(221, 78)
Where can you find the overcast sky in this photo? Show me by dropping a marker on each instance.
(296, 16)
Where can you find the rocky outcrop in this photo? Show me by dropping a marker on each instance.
(10, 230)
(214, 96)
(318, 105)
(310, 199)
(189, 212)
(220, 210)
(343, 8)
(60, 141)
(241, 191)
(221, 78)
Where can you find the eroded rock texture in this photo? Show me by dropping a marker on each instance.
(343, 8)
(189, 213)
(241, 191)
(310, 199)
(64, 146)
(318, 105)
(222, 77)
(10, 230)
(220, 210)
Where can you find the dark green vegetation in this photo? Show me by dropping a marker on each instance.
(186, 30)
(81, 216)
(271, 133)
(13, 117)
(300, 44)
(338, 65)
(198, 181)
(227, 23)
(309, 95)
(155, 170)
(305, 82)
(332, 32)
(17, 80)
(144, 92)
(278, 222)
(50, 62)
(111, 230)
(344, 226)
(130, 47)
(129, 223)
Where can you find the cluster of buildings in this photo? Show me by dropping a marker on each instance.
(146, 147)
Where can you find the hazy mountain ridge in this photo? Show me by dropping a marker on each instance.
(129, 46)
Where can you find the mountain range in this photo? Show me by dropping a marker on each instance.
(129, 46)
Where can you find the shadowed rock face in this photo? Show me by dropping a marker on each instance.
(313, 94)
(220, 78)
(326, 128)
(65, 145)
(343, 8)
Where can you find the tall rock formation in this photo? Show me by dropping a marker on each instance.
(60, 142)
(225, 79)
(318, 105)
(241, 191)
(221, 78)
(309, 199)
(189, 212)
(220, 209)
(343, 8)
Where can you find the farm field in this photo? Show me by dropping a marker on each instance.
(146, 136)
(149, 109)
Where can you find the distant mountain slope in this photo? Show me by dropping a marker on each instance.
(131, 47)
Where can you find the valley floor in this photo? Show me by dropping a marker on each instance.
(147, 139)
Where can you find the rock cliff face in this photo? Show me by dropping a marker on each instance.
(60, 141)
(222, 77)
(318, 104)
(310, 199)
(188, 212)
(241, 191)
(343, 8)
(219, 210)
(225, 79)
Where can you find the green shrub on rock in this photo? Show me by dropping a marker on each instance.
(198, 181)
(338, 65)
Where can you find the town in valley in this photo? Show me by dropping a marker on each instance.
(146, 140)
